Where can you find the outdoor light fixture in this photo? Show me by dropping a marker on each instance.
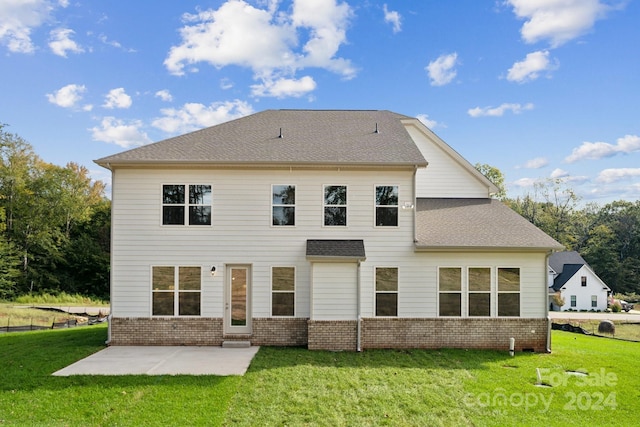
(213, 270)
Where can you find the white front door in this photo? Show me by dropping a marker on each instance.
(237, 313)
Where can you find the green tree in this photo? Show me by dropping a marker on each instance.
(494, 175)
(9, 262)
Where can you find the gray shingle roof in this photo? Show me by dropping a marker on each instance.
(558, 259)
(333, 249)
(568, 271)
(476, 224)
(309, 137)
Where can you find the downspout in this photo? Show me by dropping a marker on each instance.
(546, 299)
(358, 312)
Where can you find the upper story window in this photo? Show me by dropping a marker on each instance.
(335, 205)
(386, 205)
(583, 280)
(283, 205)
(186, 204)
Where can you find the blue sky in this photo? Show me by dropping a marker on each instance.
(537, 88)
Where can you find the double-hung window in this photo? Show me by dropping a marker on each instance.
(176, 291)
(335, 205)
(386, 291)
(186, 204)
(283, 285)
(450, 291)
(479, 279)
(508, 291)
(594, 301)
(283, 205)
(386, 205)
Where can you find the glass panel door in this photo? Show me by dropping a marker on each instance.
(238, 300)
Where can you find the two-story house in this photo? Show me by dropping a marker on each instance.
(341, 230)
(576, 284)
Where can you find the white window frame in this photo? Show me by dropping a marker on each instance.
(325, 205)
(176, 291)
(376, 292)
(274, 291)
(186, 205)
(376, 206)
(573, 301)
(461, 291)
(498, 292)
(594, 301)
(490, 292)
(294, 205)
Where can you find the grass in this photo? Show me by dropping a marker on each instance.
(625, 330)
(19, 316)
(61, 298)
(292, 386)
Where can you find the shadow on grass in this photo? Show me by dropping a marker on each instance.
(451, 359)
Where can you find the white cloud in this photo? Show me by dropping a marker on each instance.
(442, 70)
(283, 88)
(265, 40)
(67, 96)
(119, 132)
(60, 42)
(226, 83)
(164, 95)
(558, 21)
(598, 150)
(499, 111)
(613, 175)
(117, 98)
(18, 18)
(530, 68)
(193, 116)
(525, 182)
(424, 118)
(394, 18)
(537, 163)
(559, 173)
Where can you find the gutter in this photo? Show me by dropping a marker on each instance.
(358, 312)
(546, 299)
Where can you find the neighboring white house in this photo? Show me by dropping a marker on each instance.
(340, 230)
(578, 286)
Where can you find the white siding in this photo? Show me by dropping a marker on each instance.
(335, 291)
(583, 294)
(445, 176)
(241, 232)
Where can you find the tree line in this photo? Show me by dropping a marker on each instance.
(54, 225)
(606, 236)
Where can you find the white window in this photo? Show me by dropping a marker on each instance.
(573, 301)
(283, 205)
(508, 292)
(176, 291)
(283, 286)
(450, 291)
(386, 205)
(594, 301)
(335, 205)
(479, 281)
(186, 204)
(386, 291)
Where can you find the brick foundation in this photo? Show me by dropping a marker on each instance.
(490, 333)
(279, 331)
(166, 331)
(338, 335)
(335, 335)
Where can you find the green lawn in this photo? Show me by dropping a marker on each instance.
(288, 386)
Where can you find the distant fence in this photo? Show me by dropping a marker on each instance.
(68, 323)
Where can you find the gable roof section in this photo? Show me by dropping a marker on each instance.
(568, 271)
(286, 137)
(476, 224)
(558, 259)
(326, 250)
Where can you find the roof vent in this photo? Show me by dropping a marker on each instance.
(376, 131)
(281, 135)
